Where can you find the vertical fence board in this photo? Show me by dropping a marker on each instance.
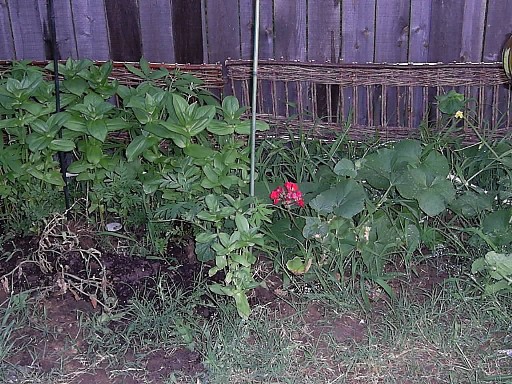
(324, 38)
(187, 31)
(246, 28)
(266, 29)
(473, 29)
(223, 30)
(6, 41)
(27, 30)
(392, 31)
(419, 40)
(358, 38)
(323, 30)
(90, 23)
(391, 46)
(64, 29)
(446, 31)
(156, 30)
(290, 29)
(289, 44)
(124, 31)
(419, 30)
(358, 31)
(497, 28)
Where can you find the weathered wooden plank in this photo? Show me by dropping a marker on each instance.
(124, 30)
(419, 39)
(290, 29)
(6, 41)
(223, 30)
(358, 37)
(187, 31)
(27, 30)
(358, 31)
(419, 30)
(64, 29)
(91, 32)
(473, 27)
(156, 30)
(289, 44)
(446, 31)
(324, 30)
(391, 46)
(392, 31)
(324, 40)
(498, 27)
(266, 29)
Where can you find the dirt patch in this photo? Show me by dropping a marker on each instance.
(56, 337)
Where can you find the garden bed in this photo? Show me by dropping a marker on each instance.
(152, 261)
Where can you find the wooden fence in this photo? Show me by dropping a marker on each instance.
(210, 31)
(341, 32)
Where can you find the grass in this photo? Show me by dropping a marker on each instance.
(442, 336)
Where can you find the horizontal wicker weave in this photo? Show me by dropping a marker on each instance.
(210, 74)
(372, 100)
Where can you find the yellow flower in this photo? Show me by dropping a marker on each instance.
(459, 115)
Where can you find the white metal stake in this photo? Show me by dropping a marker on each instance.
(254, 93)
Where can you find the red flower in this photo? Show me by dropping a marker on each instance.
(290, 194)
(291, 187)
(276, 194)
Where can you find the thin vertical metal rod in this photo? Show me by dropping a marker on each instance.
(254, 92)
(51, 22)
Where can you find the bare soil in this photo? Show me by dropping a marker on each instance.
(127, 274)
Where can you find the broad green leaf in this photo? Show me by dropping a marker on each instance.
(241, 223)
(180, 106)
(345, 167)
(230, 106)
(376, 169)
(93, 151)
(345, 199)
(76, 86)
(210, 173)
(62, 145)
(76, 124)
(79, 166)
(204, 252)
(297, 266)
(470, 203)
(197, 126)
(138, 145)
(406, 151)
(242, 304)
(220, 128)
(205, 237)
(54, 178)
(176, 128)
(97, 129)
(158, 129)
(198, 151)
(221, 290)
(244, 127)
(36, 142)
(315, 228)
(117, 124)
(500, 265)
(451, 102)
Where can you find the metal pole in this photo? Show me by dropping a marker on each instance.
(254, 92)
(51, 23)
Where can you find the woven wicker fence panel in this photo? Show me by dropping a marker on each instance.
(210, 74)
(362, 100)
